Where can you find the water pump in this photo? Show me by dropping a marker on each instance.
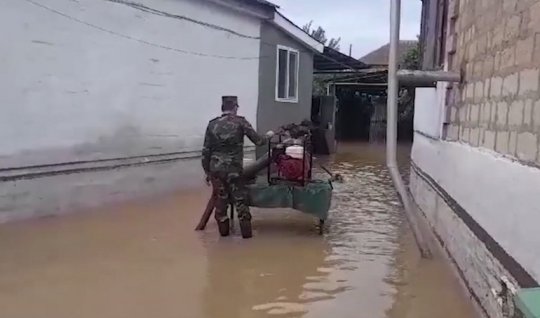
(289, 158)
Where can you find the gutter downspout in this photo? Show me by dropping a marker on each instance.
(391, 128)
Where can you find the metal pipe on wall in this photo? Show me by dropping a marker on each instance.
(391, 128)
(415, 76)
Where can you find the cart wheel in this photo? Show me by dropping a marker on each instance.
(321, 227)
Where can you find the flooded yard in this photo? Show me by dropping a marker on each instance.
(143, 259)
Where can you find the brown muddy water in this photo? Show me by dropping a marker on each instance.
(143, 259)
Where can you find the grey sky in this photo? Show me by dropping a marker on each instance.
(362, 23)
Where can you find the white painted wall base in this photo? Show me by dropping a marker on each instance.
(501, 195)
(57, 195)
(67, 193)
(480, 269)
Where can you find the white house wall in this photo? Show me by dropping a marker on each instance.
(93, 79)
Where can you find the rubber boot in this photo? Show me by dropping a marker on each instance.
(245, 228)
(224, 228)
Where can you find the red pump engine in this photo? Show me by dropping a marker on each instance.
(291, 168)
(290, 161)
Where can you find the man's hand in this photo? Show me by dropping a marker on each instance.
(270, 134)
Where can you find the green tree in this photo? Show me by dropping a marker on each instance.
(411, 59)
(319, 34)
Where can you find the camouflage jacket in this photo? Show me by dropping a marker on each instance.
(223, 149)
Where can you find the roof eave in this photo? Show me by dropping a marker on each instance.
(267, 3)
(296, 32)
(258, 9)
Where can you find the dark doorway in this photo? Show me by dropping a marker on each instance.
(353, 116)
(361, 114)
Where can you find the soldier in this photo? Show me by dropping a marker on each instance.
(222, 161)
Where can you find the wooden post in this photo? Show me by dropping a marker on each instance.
(210, 206)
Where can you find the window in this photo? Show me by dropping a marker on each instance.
(287, 74)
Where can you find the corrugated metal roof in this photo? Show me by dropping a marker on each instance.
(333, 60)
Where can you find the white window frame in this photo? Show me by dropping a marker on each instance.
(287, 78)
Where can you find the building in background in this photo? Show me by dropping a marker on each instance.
(104, 100)
(475, 159)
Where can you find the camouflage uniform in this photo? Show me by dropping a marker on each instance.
(222, 160)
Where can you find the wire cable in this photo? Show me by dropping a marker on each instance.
(141, 40)
(147, 9)
(183, 51)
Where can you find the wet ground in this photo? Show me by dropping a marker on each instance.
(143, 259)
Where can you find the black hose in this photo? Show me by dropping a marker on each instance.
(253, 169)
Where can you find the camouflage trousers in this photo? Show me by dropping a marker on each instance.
(230, 189)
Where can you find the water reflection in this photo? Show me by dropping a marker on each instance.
(269, 275)
(363, 237)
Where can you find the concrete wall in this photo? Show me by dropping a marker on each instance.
(104, 101)
(271, 113)
(478, 186)
(93, 79)
(48, 195)
(29, 193)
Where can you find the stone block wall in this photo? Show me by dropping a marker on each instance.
(497, 50)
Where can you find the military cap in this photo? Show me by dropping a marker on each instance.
(229, 101)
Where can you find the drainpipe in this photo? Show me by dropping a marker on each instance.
(391, 128)
(426, 78)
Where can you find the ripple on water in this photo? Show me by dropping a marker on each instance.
(363, 238)
(281, 308)
(146, 256)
